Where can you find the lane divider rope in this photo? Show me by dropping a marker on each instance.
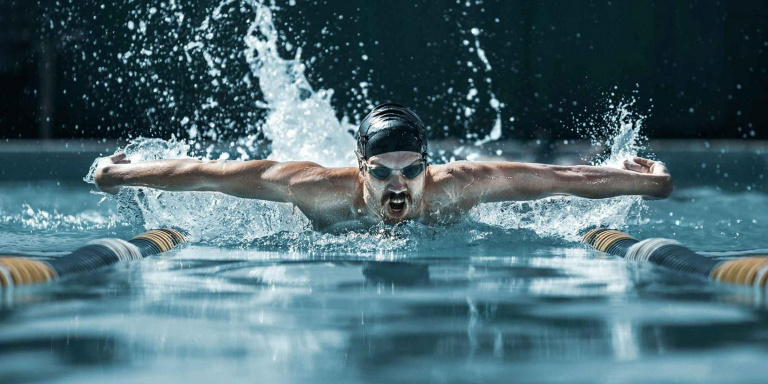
(16, 271)
(749, 271)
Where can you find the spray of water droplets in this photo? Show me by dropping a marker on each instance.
(300, 123)
(618, 129)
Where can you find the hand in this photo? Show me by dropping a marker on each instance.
(102, 175)
(118, 158)
(655, 168)
(641, 165)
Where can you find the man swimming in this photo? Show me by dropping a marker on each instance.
(392, 183)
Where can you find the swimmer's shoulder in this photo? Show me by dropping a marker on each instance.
(465, 171)
(315, 182)
(458, 183)
(327, 195)
(457, 172)
(448, 185)
(308, 171)
(314, 173)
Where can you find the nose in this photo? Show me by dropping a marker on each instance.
(397, 185)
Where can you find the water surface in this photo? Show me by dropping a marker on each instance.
(468, 303)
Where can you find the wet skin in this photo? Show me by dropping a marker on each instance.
(342, 197)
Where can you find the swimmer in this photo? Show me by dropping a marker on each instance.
(393, 181)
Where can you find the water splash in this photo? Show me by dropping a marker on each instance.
(621, 129)
(207, 216)
(561, 217)
(300, 124)
(566, 217)
(40, 219)
(495, 104)
(385, 242)
(472, 98)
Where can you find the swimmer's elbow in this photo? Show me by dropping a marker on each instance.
(212, 176)
(256, 179)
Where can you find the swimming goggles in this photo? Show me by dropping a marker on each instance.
(383, 173)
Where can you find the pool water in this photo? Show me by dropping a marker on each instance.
(495, 305)
(256, 296)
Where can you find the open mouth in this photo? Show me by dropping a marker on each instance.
(397, 201)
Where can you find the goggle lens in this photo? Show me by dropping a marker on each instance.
(381, 173)
(409, 172)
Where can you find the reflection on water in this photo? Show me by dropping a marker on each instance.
(466, 303)
(343, 317)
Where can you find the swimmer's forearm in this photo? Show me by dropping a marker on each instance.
(602, 182)
(172, 175)
(506, 181)
(254, 179)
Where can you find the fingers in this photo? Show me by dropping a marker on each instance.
(119, 158)
(659, 169)
(646, 162)
(654, 167)
(635, 167)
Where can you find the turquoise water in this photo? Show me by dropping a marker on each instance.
(468, 303)
(509, 295)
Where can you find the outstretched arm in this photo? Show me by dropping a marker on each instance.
(256, 179)
(504, 181)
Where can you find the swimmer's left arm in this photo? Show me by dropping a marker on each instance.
(505, 181)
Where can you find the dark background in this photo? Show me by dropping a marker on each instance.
(697, 69)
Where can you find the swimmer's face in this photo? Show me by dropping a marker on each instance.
(394, 185)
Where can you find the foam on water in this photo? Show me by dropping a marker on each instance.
(39, 219)
(207, 216)
(301, 124)
(565, 216)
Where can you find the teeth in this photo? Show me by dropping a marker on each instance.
(397, 198)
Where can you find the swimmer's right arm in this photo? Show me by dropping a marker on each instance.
(255, 179)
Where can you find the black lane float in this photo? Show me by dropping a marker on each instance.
(15, 271)
(750, 271)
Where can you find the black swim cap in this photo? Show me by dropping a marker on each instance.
(390, 128)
